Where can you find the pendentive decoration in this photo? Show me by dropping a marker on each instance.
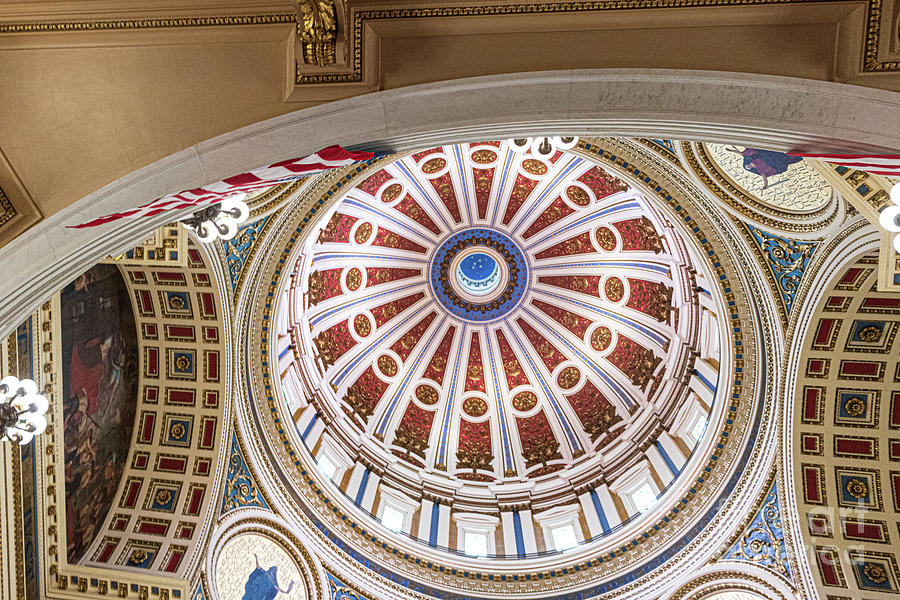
(338, 590)
(240, 248)
(786, 259)
(22, 410)
(240, 489)
(762, 543)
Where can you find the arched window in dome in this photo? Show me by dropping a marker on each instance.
(691, 422)
(561, 527)
(392, 518)
(331, 461)
(327, 466)
(475, 543)
(643, 497)
(564, 536)
(476, 533)
(396, 510)
(637, 489)
(709, 342)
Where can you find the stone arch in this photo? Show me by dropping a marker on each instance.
(774, 112)
(731, 581)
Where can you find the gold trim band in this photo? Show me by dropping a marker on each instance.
(148, 23)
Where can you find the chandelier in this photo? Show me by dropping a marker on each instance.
(543, 147)
(22, 410)
(890, 216)
(219, 220)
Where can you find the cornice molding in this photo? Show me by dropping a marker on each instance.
(157, 23)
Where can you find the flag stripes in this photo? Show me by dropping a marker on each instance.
(257, 179)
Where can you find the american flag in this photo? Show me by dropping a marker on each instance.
(257, 179)
(885, 164)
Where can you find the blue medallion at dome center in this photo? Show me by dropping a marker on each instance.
(479, 274)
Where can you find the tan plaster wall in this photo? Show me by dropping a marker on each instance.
(81, 109)
(79, 117)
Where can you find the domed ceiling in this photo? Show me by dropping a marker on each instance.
(468, 372)
(503, 326)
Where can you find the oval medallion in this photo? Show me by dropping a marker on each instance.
(577, 195)
(354, 279)
(614, 288)
(568, 378)
(601, 338)
(363, 233)
(433, 166)
(606, 239)
(474, 407)
(484, 157)
(362, 326)
(391, 192)
(534, 166)
(525, 401)
(387, 365)
(426, 394)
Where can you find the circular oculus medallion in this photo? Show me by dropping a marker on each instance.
(479, 274)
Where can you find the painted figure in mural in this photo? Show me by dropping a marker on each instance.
(99, 358)
(765, 163)
(263, 584)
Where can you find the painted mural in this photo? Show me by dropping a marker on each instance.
(99, 361)
(253, 567)
(780, 180)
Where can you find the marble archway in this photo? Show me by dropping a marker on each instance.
(774, 112)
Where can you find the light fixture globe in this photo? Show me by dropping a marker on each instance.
(895, 193)
(889, 219)
(219, 221)
(22, 410)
